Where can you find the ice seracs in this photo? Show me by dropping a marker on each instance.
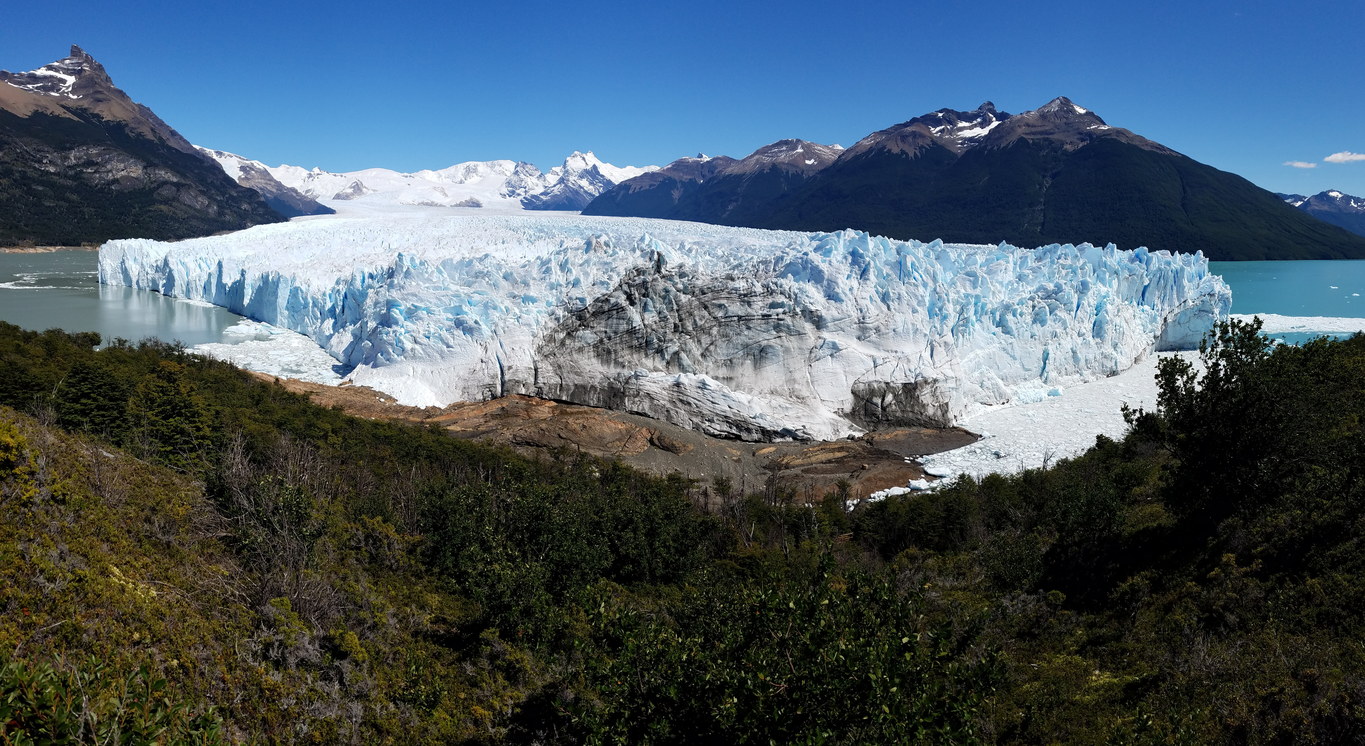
(734, 332)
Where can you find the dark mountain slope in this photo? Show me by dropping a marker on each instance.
(1058, 175)
(658, 193)
(743, 191)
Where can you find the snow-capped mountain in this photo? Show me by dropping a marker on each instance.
(500, 184)
(954, 130)
(578, 181)
(1332, 206)
(256, 175)
(731, 331)
(83, 162)
(79, 82)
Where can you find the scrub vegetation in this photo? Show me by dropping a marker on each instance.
(189, 555)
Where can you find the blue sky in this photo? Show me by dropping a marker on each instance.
(1243, 86)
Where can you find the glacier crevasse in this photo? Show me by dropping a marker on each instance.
(734, 332)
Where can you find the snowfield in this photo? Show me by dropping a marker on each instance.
(733, 332)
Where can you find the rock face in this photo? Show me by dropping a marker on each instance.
(737, 333)
(1332, 206)
(1056, 174)
(81, 162)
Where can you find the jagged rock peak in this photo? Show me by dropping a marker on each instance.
(74, 76)
(1062, 104)
(949, 128)
(1063, 122)
(1063, 108)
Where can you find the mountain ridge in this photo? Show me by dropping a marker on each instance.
(1056, 174)
(1332, 206)
(502, 183)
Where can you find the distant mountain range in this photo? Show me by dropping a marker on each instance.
(82, 162)
(501, 184)
(1057, 174)
(1333, 207)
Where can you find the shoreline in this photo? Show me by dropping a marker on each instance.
(44, 249)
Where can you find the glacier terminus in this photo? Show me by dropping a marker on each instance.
(734, 332)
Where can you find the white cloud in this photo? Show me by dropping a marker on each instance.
(1345, 156)
(1300, 164)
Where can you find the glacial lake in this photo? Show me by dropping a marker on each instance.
(1298, 288)
(60, 289)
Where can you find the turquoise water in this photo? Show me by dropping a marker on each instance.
(61, 290)
(1300, 288)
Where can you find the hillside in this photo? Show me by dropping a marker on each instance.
(192, 555)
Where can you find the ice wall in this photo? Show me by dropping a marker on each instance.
(731, 331)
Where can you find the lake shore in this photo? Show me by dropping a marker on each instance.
(44, 249)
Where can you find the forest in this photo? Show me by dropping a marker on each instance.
(192, 555)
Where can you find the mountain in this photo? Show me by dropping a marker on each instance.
(502, 184)
(578, 181)
(80, 161)
(1057, 174)
(741, 192)
(256, 175)
(1332, 207)
(657, 194)
(720, 190)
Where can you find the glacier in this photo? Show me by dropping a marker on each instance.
(734, 332)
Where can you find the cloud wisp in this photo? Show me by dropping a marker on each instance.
(1344, 156)
(1300, 164)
